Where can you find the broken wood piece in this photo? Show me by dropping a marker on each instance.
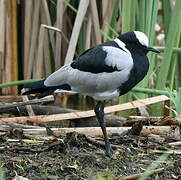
(144, 119)
(136, 104)
(166, 111)
(167, 121)
(166, 152)
(136, 176)
(7, 125)
(42, 138)
(35, 101)
(85, 114)
(143, 111)
(177, 143)
(28, 107)
(51, 28)
(100, 143)
(29, 141)
(96, 131)
(156, 138)
(38, 110)
(152, 120)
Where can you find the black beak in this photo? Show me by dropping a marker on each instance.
(153, 49)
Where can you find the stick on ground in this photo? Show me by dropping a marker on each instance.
(35, 101)
(136, 176)
(85, 114)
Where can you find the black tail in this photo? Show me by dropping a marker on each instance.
(41, 90)
(37, 84)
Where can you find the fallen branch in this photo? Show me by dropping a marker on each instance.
(38, 110)
(6, 125)
(100, 143)
(136, 176)
(35, 101)
(152, 120)
(29, 141)
(28, 107)
(96, 131)
(177, 143)
(85, 114)
(166, 151)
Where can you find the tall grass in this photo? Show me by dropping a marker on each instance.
(84, 24)
(172, 40)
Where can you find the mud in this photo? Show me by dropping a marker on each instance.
(73, 157)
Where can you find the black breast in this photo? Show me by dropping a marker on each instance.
(138, 72)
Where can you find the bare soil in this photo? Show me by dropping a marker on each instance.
(73, 157)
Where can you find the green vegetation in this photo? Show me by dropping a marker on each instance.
(154, 165)
(2, 174)
(98, 22)
(176, 99)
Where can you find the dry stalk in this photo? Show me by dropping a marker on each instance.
(34, 37)
(95, 20)
(39, 62)
(27, 34)
(2, 37)
(11, 65)
(59, 38)
(48, 22)
(83, 5)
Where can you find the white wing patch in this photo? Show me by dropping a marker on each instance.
(118, 58)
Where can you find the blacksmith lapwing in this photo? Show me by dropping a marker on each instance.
(103, 72)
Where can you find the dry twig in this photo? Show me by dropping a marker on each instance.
(136, 176)
(35, 101)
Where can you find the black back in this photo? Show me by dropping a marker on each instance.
(92, 60)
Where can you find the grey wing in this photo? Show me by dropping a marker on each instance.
(87, 81)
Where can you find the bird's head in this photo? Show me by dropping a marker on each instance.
(136, 40)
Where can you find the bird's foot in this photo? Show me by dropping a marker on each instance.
(109, 152)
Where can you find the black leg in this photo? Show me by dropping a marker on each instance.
(99, 111)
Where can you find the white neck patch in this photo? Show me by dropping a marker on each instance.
(142, 38)
(121, 44)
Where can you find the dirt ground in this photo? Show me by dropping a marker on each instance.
(73, 157)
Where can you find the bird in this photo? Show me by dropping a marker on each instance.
(105, 71)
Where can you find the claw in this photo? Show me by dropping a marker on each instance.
(109, 151)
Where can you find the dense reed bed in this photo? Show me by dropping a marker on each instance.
(29, 50)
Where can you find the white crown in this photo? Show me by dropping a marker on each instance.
(142, 38)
